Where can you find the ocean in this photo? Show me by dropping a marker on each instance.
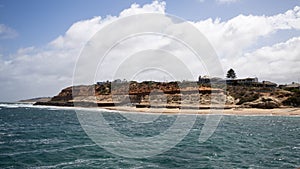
(48, 137)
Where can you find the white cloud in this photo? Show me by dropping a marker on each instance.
(7, 32)
(279, 62)
(231, 38)
(155, 6)
(80, 32)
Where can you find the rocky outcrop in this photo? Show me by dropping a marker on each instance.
(263, 103)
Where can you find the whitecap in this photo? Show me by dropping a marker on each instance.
(15, 105)
(28, 105)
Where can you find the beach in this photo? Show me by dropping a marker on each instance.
(232, 111)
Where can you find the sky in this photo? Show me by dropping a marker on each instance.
(40, 40)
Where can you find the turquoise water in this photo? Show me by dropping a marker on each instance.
(53, 138)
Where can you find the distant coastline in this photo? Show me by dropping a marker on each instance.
(34, 100)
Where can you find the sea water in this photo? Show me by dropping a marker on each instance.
(47, 137)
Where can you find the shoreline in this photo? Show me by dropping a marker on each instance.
(283, 111)
(233, 111)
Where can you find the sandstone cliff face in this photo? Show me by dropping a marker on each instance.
(64, 96)
(172, 95)
(134, 93)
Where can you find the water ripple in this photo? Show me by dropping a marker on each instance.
(47, 138)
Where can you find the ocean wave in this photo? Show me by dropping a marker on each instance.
(37, 151)
(40, 141)
(14, 105)
(28, 105)
(77, 162)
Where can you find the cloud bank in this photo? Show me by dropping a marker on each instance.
(233, 38)
(32, 71)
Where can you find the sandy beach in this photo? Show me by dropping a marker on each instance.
(233, 111)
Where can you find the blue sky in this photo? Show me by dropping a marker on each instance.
(41, 40)
(38, 22)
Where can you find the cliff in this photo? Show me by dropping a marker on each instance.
(188, 95)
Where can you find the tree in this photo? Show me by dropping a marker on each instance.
(231, 74)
